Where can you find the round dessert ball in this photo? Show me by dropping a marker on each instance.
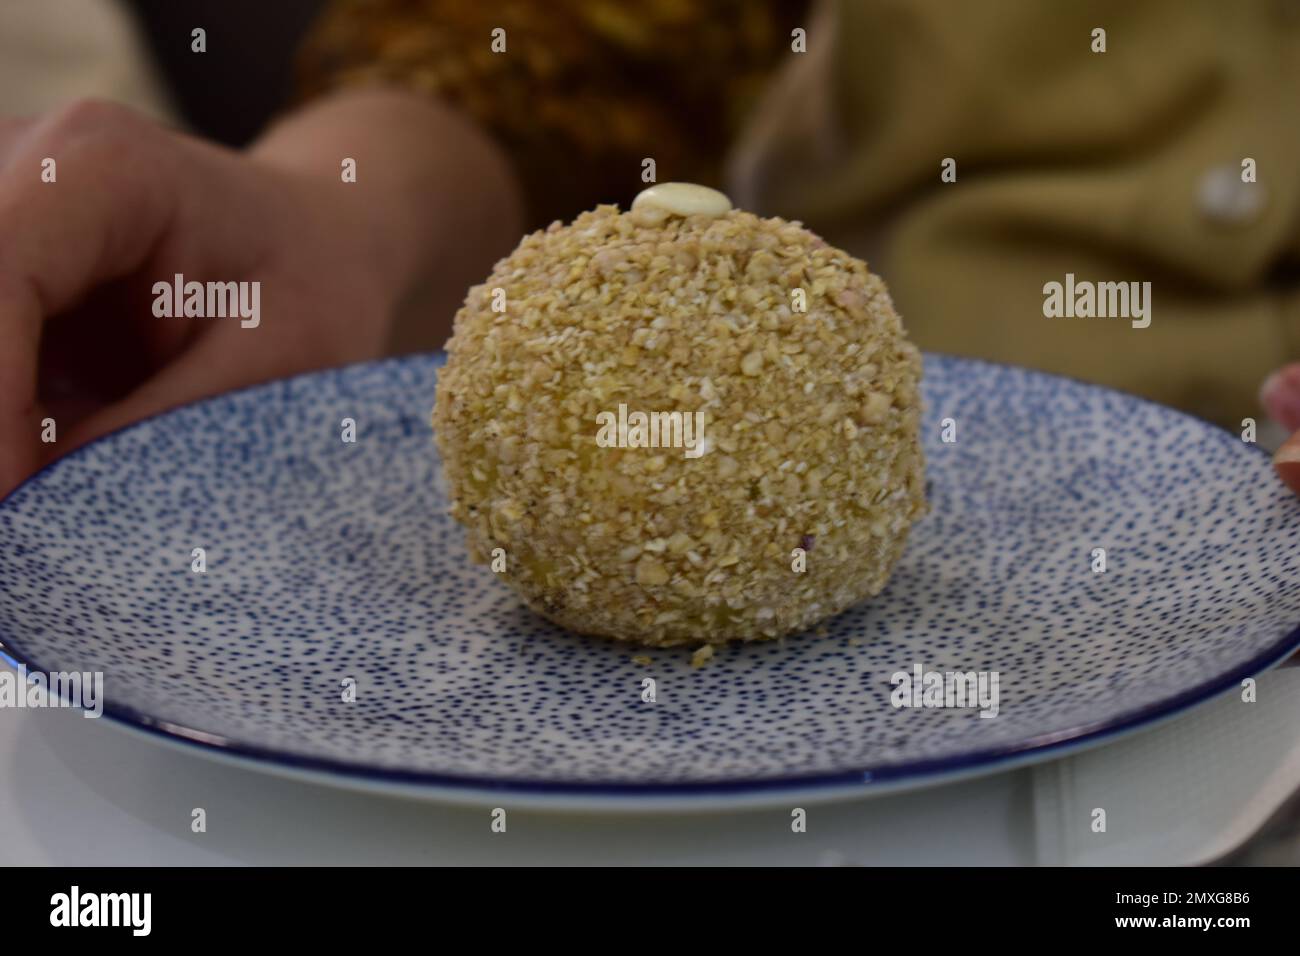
(780, 493)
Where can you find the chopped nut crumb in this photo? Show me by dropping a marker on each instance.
(650, 572)
(812, 426)
(702, 656)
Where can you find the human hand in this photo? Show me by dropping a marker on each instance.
(133, 204)
(1280, 396)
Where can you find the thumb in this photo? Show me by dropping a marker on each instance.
(20, 412)
(215, 363)
(20, 443)
(1286, 462)
(1280, 396)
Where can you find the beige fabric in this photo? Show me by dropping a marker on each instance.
(53, 51)
(1099, 164)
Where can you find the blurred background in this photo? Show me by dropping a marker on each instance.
(138, 52)
(230, 93)
(1105, 141)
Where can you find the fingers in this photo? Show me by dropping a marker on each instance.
(1287, 462)
(95, 214)
(216, 362)
(190, 377)
(98, 212)
(1280, 396)
(20, 415)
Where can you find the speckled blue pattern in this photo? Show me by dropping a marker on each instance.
(328, 561)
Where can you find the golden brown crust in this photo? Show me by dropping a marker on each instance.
(586, 88)
(812, 421)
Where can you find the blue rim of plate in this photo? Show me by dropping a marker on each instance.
(1040, 747)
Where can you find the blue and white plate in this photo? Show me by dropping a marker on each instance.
(329, 562)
